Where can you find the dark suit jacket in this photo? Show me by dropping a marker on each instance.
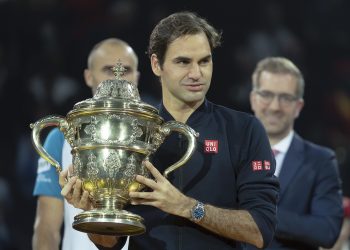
(309, 211)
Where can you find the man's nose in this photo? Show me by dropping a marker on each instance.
(275, 103)
(195, 71)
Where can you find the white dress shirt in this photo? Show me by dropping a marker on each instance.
(281, 148)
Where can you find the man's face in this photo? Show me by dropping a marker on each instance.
(275, 103)
(187, 70)
(105, 58)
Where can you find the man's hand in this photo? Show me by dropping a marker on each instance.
(72, 190)
(164, 195)
(103, 240)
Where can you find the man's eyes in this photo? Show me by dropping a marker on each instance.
(109, 70)
(283, 97)
(182, 62)
(267, 94)
(287, 97)
(205, 61)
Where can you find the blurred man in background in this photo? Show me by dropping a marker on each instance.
(309, 210)
(52, 210)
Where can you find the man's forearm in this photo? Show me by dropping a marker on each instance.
(238, 225)
(234, 224)
(44, 240)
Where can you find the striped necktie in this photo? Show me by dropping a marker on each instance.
(275, 152)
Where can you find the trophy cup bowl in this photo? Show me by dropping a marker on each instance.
(111, 135)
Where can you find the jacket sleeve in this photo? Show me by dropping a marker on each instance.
(257, 186)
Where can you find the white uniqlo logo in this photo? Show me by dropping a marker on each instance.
(211, 146)
(257, 165)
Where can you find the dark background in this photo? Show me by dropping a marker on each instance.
(43, 50)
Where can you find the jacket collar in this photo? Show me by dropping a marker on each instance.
(195, 117)
(292, 162)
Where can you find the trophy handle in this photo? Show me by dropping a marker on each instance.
(37, 127)
(191, 136)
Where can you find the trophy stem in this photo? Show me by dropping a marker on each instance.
(109, 218)
(110, 204)
(109, 198)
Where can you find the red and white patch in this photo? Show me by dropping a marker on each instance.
(211, 146)
(267, 165)
(257, 165)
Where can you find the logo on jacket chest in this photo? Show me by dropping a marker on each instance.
(211, 146)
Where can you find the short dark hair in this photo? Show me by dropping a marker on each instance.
(177, 25)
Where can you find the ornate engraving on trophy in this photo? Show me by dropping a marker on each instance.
(77, 124)
(110, 90)
(118, 70)
(130, 171)
(77, 170)
(136, 130)
(112, 165)
(145, 172)
(90, 129)
(100, 129)
(157, 139)
(92, 169)
(68, 131)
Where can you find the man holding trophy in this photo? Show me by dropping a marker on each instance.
(225, 195)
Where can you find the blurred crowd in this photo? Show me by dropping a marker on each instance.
(44, 44)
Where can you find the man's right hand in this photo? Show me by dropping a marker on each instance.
(72, 190)
(103, 240)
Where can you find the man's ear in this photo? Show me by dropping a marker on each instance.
(137, 78)
(300, 104)
(88, 78)
(252, 98)
(155, 65)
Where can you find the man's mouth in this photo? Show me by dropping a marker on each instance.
(194, 86)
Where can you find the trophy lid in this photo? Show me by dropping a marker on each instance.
(116, 94)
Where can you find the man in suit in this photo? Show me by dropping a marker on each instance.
(309, 210)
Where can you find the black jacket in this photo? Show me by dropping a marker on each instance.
(238, 176)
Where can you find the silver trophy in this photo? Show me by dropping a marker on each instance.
(111, 135)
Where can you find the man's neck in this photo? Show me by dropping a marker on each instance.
(181, 111)
(276, 138)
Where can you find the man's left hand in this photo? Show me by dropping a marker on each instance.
(164, 195)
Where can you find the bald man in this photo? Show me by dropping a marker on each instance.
(52, 210)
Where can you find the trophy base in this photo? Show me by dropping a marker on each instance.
(109, 222)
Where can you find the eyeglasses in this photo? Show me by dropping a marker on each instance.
(284, 99)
